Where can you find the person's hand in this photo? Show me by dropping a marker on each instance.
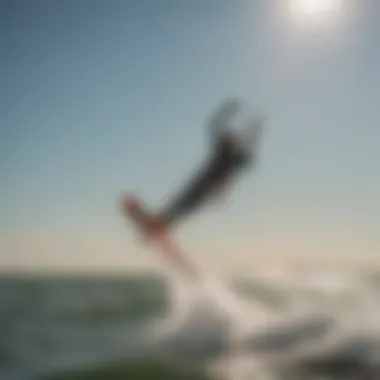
(254, 130)
(224, 114)
(230, 106)
(228, 109)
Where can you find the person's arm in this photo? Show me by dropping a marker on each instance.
(222, 117)
(253, 132)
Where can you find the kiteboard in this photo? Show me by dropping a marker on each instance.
(156, 235)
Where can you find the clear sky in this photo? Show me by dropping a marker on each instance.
(100, 97)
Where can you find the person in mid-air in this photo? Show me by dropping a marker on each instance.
(232, 152)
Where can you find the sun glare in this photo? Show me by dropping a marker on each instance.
(308, 10)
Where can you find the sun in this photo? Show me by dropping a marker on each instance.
(309, 10)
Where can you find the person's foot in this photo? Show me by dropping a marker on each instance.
(155, 226)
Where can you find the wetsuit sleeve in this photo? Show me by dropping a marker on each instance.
(222, 117)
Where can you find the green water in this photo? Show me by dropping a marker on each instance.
(144, 369)
(83, 302)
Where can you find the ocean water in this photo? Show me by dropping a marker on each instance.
(88, 327)
(50, 324)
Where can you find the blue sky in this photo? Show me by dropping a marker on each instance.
(103, 97)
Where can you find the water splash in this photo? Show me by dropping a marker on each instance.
(353, 308)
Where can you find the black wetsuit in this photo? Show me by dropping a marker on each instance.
(228, 158)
